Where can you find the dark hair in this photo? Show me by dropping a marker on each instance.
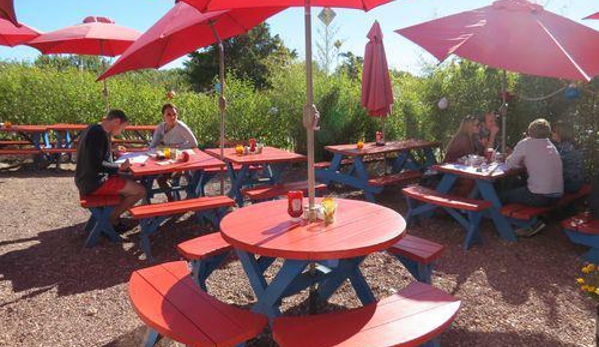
(482, 117)
(565, 131)
(167, 106)
(117, 114)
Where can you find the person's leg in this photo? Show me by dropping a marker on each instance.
(131, 193)
(164, 184)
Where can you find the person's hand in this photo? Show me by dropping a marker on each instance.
(494, 130)
(125, 166)
(121, 149)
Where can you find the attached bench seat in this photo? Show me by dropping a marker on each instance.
(415, 315)
(152, 216)
(19, 151)
(349, 161)
(524, 212)
(100, 206)
(171, 305)
(418, 255)
(401, 178)
(14, 143)
(582, 229)
(205, 254)
(452, 204)
(59, 150)
(274, 191)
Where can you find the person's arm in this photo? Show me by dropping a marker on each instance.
(190, 139)
(97, 144)
(492, 137)
(157, 137)
(516, 159)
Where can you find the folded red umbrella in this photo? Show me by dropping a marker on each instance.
(95, 36)
(7, 11)
(377, 93)
(515, 35)
(183, 30)
(11, 35)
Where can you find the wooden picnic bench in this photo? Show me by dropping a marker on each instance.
(268, 192)
(412, 317)
(583, 229)
(100, 206)
(205, 254)
(418, 255)
(171, 305)
(452, 204)
(152, 216)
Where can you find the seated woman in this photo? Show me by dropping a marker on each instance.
(545, 184)
(572, 159)
(172, 133)
(463, 141)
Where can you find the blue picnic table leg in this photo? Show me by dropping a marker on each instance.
(444, 187)
(277, 170)
(487, 191)
(333, 168)
(346, 269)
(363, 177)
(237, 180)
(429, 156)
(399, 162)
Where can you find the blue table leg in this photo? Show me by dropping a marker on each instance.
(346, 269)
(321, 174)
(487, 191)
(237, 180)
(400, 162)
(363, 177)
(430, 157)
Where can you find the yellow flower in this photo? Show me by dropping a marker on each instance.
(585, 270)
(580, 280)
(584, 287)
(591, 267)
(591, 289)
(597, 291)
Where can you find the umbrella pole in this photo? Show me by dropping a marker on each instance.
(503, 117)
(105, 90)
(222, 102)
(309, 110)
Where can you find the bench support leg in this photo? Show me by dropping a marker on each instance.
(148, 227)
(100, 224)
(201, 269)
(421, 272)
(473, 229)
(151, 338)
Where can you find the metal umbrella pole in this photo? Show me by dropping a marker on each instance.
(504, 116)
(105, 91)
(222, 102)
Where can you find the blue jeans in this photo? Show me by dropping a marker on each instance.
(525, 197)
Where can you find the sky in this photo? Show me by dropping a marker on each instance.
(352, 25)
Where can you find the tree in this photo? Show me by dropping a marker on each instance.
(351, 65)
(248, 56)
(82, 62)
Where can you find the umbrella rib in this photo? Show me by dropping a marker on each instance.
(559, 45)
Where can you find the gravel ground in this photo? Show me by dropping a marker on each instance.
(53, 292)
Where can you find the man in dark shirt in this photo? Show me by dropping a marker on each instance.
(97, 173)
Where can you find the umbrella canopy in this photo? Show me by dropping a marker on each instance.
(11, 35)
(593, 16)
(95, 36)
(310, 118)
(183, 30)
(7, 11)
(514, 35)
(377, 94)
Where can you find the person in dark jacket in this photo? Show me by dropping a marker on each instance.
(97, 173)
(572, 158)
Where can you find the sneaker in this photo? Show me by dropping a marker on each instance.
(532, 231)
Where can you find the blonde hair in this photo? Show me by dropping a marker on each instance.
(462, 130)
(539, 129)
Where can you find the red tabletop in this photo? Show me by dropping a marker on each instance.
(360, 228)
(197, 161)
(269, 155)
(141, 127)
(487, 172)
(389, 147)
(67, 126)
(25, 128)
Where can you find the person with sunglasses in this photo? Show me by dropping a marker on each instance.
(463, 142)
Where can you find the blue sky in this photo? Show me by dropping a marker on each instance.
(353, 25)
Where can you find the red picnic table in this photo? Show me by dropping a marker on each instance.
(32, 135)
(273, 160)
(358, 177)
(149, 170)
(262, 232)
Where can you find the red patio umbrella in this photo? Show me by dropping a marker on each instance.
(310, 121)
(377, 93)
(514, 35)
(11, 35)
(183, 30)
(95, 36)
(593, 16)
(7, 11)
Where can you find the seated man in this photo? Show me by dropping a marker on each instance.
(572, 158)
(96, 172)
(545, 184)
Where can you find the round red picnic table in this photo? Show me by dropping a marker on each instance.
(263, 232)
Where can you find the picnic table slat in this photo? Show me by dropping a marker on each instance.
(269, 155)
(25, 129)
(370, 148)
(198, 161)
(468, 172)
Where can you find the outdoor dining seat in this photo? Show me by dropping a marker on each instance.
(415, 316)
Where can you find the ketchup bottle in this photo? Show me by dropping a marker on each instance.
(295, 200)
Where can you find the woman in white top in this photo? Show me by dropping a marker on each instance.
(173, 132)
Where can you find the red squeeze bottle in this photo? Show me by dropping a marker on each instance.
(295, 200)
(184, 157)
(252, 145)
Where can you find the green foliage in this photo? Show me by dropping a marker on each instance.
(247, 56)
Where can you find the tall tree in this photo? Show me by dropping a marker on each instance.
(248, 56)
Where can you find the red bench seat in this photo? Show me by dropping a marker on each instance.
(400, 178)
(91, 201)
(14, 143)
(182, 206)
(417, 249)
(171, 305)
(204, 247)
(433, 197)
(19, 151)
(59, 150)
(524, 212)
(582, 223)
(271, 192)
(413, 316)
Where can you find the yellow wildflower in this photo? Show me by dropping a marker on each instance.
(591, 267)
(597, 291)
(585, 270)
(591, 289)
(580, 280)
(584, 287)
